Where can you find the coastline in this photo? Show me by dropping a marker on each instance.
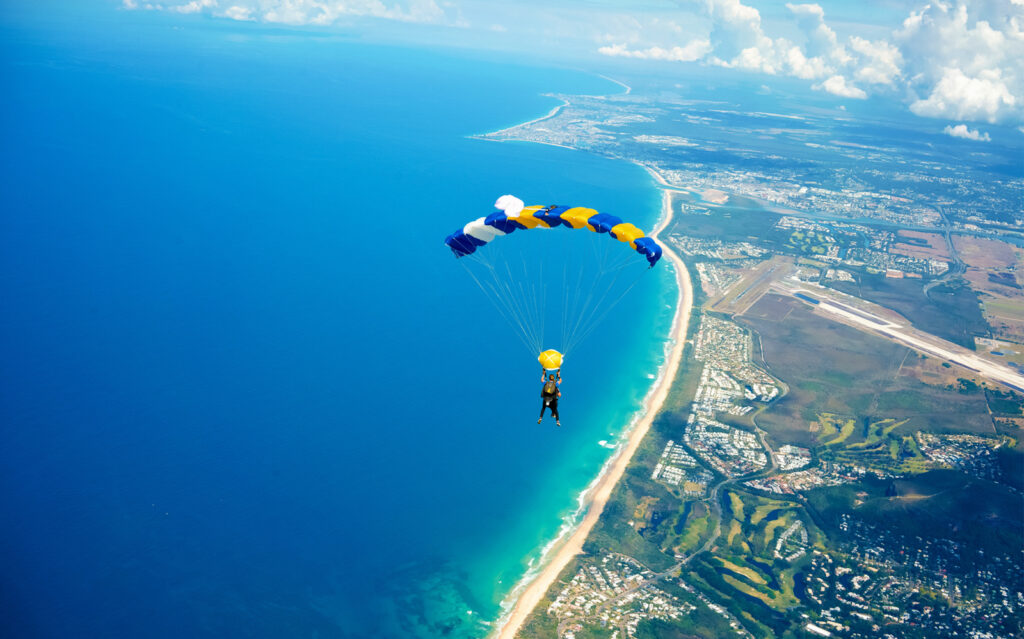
(628, 89)
(547, 116)
(562, 550)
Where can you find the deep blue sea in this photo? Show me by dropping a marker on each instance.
(245, 390)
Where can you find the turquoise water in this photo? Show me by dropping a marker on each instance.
(245, 390)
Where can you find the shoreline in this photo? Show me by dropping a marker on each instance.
(562, 550)
(628, 89)
(550, 114)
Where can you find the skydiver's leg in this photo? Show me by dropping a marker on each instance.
(543, 405)
(554, 410)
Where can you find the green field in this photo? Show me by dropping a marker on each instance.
(809, 242)
(835, 430)
(950, 311)
(729, 224)
(751, 523)
(695, 531)
(832, 369)
(886, 444)
(1005, 308)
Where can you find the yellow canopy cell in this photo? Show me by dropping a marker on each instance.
(551, 360)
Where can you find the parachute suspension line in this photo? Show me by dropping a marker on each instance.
(495, 299)
(527, 297)
(584, 307)
(521, 302)
(507, 301)
(540, 297)
(507, 284)
(587, 322)
(575, 308)
(579, 295)
(512, 314)
(537, 298)
(590, 290)
(528, 291)
(568, 304)
(591, 315)
(607, 310)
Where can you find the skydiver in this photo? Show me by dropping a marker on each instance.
(550, 394)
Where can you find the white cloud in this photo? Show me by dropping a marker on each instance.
(878, 62)
(738, 40)
(803, 67)
(693, 51)
(195, 6)
(959, 97)
(310, 12)
(736, 32)
(821, 40)
(236, 12)
(809, 10)
(836, 85)
(964, 61)
(952, 59)
(961, 131)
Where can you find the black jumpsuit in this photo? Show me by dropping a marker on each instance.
(550, 401)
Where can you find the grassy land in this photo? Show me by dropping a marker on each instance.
(735, 528)
(1005, 307)
(884, 444)
(832, 369)
(729, 225)
(837, 426)
(737, 506)
(950, 311)
(696, 530)
(758, 606)
(750, 574)
(774, 527)
(809, 242)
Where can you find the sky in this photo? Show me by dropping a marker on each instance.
(960, 61)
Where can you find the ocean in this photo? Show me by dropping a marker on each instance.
(245, 390)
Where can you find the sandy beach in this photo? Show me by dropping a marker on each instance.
(547, 116)
(559, 555)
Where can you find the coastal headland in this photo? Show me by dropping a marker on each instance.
(560, 554)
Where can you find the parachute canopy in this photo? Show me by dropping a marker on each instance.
(515, 217)
(553, 282)
(551, 360)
